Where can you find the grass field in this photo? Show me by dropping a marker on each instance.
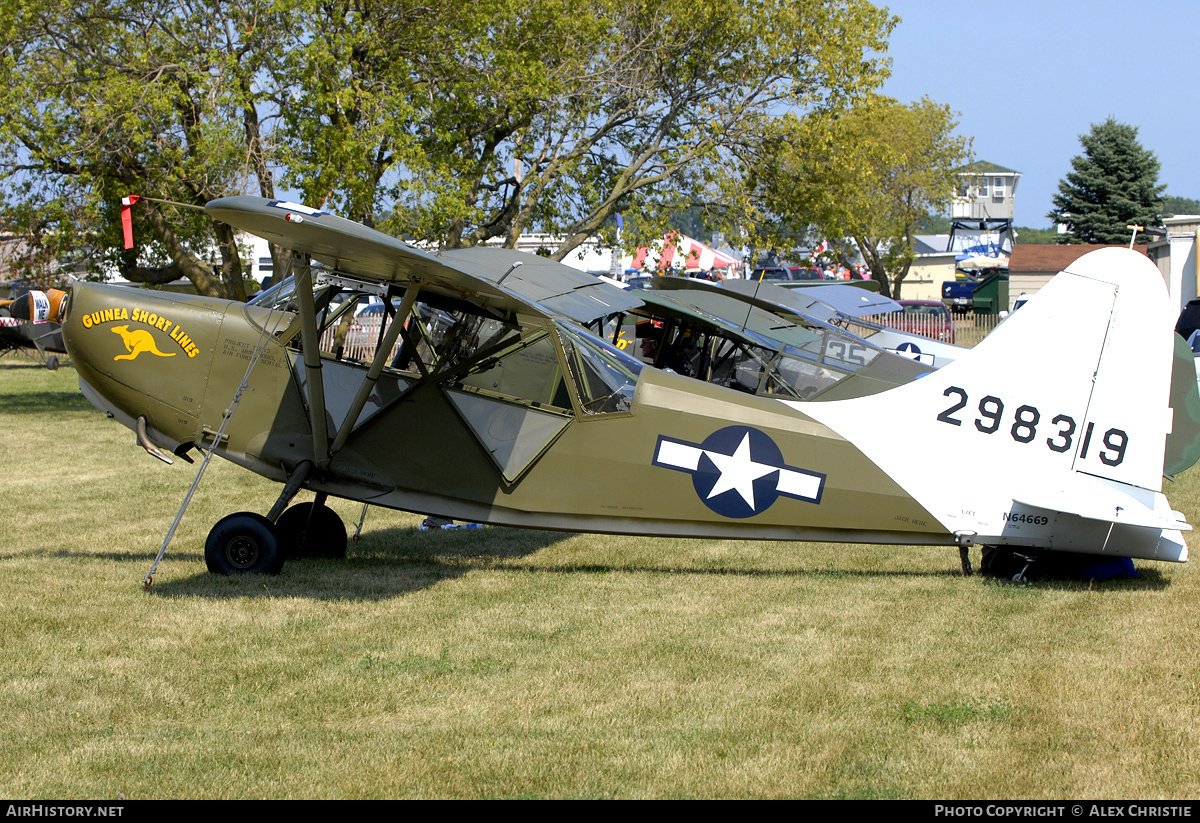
(501, 663)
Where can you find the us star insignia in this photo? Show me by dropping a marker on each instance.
(738, 471)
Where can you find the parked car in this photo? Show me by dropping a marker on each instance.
(806, 273)
(1189, 319)
(959, 294)
(929, 318)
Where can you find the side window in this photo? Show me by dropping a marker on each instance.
(528, 371)
(342, 335)
(441, 337)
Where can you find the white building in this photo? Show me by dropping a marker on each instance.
(985, 192)
(1175, 256)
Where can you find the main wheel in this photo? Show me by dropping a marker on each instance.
(309, 530)
(243, 543)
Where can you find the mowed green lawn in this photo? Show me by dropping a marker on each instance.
(502, 663)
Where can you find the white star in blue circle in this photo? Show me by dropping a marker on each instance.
(738, 471)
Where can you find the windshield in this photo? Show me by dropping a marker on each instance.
(604, 375)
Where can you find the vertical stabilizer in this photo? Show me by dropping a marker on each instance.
(1060, 415)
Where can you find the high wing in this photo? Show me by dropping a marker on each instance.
(825, 302)
(505, 280)
(737, 318)
(807, 356)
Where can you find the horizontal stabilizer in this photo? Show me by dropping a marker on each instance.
(1101, 501)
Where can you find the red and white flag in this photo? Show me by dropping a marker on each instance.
(127, 218)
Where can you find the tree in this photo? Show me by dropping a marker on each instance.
(458, 123)
(869, 174)
(1179, 205)
(556, 116)
(112, 97)
(1027, 236)
(1114, 184)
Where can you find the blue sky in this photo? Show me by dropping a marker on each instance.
(1028, 78)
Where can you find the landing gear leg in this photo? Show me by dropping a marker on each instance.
(965, 556)
(966, 539)
(294, 482)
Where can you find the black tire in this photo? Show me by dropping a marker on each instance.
(243, 543)
(309, 530)
(52, 362)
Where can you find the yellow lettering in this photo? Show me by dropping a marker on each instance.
(175, 333)
(87, 321)
(122, 314)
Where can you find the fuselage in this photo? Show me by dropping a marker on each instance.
(681, 458)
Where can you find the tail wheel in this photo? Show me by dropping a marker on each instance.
(243, 543)
(310, 530)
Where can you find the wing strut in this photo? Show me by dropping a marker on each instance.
(310, 344)
(382, 352)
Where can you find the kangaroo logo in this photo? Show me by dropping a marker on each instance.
(136, 342)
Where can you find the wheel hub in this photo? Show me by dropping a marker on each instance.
(242, 551)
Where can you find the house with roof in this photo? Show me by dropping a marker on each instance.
(932, 265)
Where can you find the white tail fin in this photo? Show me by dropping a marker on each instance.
(1061, 413)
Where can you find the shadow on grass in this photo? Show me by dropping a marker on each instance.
(47, 401)
(1148, 579)
(387, 563)
(394, 562)
(29, 359)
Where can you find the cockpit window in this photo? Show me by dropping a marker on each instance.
(448, 341)
(282, 296)
(604, 375)
(277, 296)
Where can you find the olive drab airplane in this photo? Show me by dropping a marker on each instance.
(701, 330)
(761, 338)
(853, 309)
(487, 400)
